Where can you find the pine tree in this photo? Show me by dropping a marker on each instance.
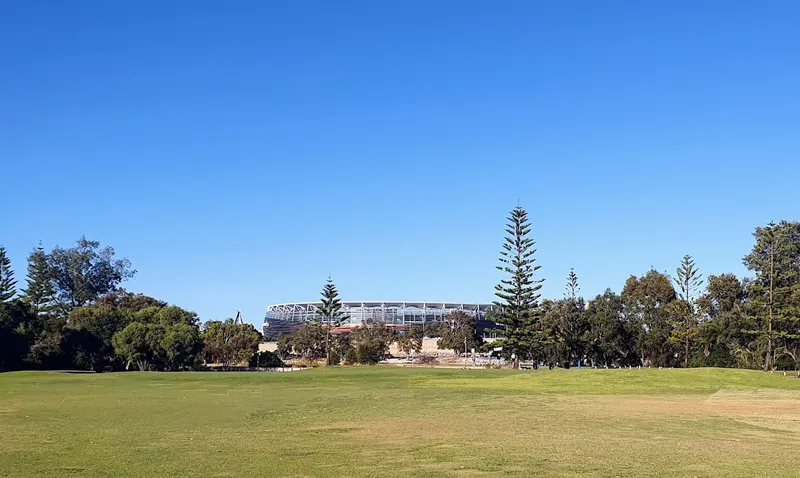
(330, 312)
(40, 293)
(689, 281)
(518, 292)
(572, 286)
(7, 282)
(575, 323)
(774, 295)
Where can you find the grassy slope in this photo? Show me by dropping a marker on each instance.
(401, 422)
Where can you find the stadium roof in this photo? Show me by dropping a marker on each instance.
(393, 303)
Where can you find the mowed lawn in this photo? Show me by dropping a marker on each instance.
(389, 421)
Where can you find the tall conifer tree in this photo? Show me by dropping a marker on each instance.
(330, 312)
(40, 293)
(572, 286)
(7, 283)
(688, 281)
(518, 293)
(775, 292)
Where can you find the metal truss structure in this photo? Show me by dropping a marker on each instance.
(399, 312)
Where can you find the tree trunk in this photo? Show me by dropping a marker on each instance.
(686, 349)
(328, 345)
(768, 358)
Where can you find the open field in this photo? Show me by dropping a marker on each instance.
(383, 421)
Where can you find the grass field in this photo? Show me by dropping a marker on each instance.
(384, 421)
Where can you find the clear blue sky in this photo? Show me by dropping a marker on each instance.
(239, 152)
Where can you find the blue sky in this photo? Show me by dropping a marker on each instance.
(239, 152)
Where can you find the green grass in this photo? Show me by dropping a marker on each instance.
(386, 421)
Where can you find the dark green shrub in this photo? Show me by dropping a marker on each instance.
(368, 353)
(351, 358)
(265, 359)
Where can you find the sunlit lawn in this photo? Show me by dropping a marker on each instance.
(388, 421)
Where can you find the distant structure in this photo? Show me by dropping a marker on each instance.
(238, 320)
(285, 318)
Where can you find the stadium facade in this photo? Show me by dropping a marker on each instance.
(283, 318)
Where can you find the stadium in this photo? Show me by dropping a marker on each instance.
(284, 318)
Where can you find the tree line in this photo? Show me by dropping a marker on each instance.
(658, 320)
(71, 313)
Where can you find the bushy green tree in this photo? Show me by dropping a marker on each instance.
(723, 333)
(16, 333)
(132, 345)
(459, 331)
(565, 324)
(229, 343)
(122, 299)
(410, 339)
(309, 340)
(369, 353)
(83, 273)
(340, 344)
(373, 336)
(265, 359)
(646, 307)
(775, 291)
(181, 344)
(609, 342)
(101, 322)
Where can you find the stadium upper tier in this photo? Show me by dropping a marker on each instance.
(397, 312)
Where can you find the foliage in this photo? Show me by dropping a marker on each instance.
(369, 353)
(410, 339)
(181, 345)
(684, 309)
(83, 273)
(132, 345)
(229, 343)
(7, 281)
(608, 340)
(330, 312)
(40, 293)
(16, 334)
(265, 359)
(518, 292)
(375, 337)
(774, 293)
(350, 357)
(122, 299)
(339, 346)
(459, 331)
(565, 324)
(285, 345)
(101, 323)
(646, 310)
(309, 340)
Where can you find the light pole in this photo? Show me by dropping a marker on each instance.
(465, 353)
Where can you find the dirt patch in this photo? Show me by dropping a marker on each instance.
(771, 409)
(632, 406)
